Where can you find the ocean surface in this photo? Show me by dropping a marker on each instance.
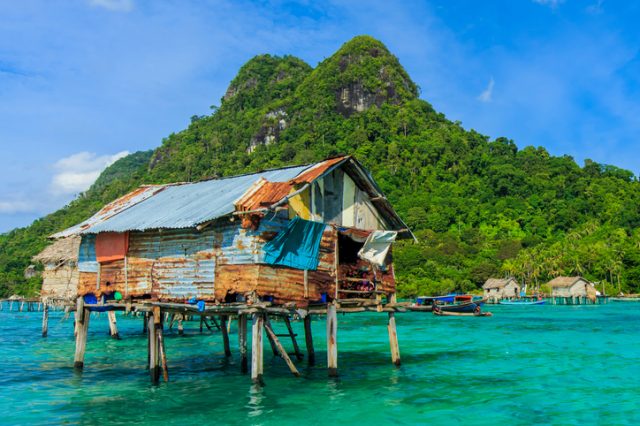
(560, 365)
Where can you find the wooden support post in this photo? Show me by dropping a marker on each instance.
(21, 306)
(225, 334)
(274, 349)
(82, 319)
(145, 322)
(180, 325)
(242, 342)
(45, 320)
(113, 326)
(152, 337)
(201, 321)
(393, 339)
(11, 306)
(257, 349)
(308, 337)
(283, 353)
(332, 343)
(215, 322)
(161, 350)
(296, 348)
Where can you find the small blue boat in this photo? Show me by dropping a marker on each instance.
(523, 302)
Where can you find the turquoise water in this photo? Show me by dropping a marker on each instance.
(525, 365)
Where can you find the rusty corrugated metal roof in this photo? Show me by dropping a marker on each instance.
(131, 199)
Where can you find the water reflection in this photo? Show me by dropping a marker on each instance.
(255, 405)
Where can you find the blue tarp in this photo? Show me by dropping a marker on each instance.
(297, 246)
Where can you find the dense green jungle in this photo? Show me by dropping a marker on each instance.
(479, 207)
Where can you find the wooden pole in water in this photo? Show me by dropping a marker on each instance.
(257, 349)
(393, 339)
(242, 342)
(113, 326)
(161, 350)
(225, 334)
(82, 317)
(45, 320)
(180, 325)
(145, 322)
(308, 337)
(201, 321)
(152, 337)
(283, 353)
(332, 343)
(296, 348)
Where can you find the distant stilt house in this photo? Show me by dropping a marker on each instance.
(293, 235)
(496, 289)
(572, 287)
(60, 275)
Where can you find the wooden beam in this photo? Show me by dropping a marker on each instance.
(274, 349)
(281, 350)
(242, 342)
(308, 337)
(332, 343)
(113, 326)
(82, 319)
(225, 334)
(45, 319)
(393, 340)
(257, 349)
(296, 348)
(152, 337)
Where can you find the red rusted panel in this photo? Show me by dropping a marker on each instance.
(317, 170)
(87, 283)
(263, 194)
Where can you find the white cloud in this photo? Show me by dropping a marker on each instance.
(113, 5)
(551, 3)
(77, 172)
(487, 94)
(10, 207)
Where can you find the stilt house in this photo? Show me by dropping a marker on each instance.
(496, 288)
(572, 287)
(60, 275)
(291, 236)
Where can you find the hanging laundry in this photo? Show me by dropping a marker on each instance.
(376, 246)
(111, 246)
(297, 246)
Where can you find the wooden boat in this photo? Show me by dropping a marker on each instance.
(522, 302)
(462, 314)
(425, 303)
(462, 307)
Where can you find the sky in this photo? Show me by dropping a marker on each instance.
(84, 82)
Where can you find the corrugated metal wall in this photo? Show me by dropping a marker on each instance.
(87, 261)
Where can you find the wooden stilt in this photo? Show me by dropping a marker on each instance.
(225, 334)
(257, 349)
(242, 342)
(21, 306)
(113, 326)
(274, 349)
(201, 321)
(282, 352)
(82, 317)
(296, 348)
(145, 322)
(393, 340)
(11, 306)
(332, 343)
(206, 323)
(180, 325)
(173, 319)
(162, 353)
(152, 337)
(308, 337)
(45, 320)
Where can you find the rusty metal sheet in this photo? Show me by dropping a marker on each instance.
(183, 278)
(263, 194)
(87, 282)
(318, 169)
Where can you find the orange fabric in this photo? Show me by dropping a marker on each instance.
(111, 246)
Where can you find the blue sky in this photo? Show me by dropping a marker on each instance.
(83, 82)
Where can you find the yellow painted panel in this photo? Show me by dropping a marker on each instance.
(299, 205)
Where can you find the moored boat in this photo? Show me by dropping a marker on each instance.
(462, 314)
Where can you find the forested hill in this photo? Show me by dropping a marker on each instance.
(479, 207)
